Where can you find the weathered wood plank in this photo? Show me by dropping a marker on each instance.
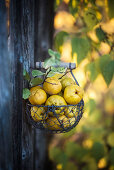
(22, 44)
(28, 61)
(5, 94)
(17, 69)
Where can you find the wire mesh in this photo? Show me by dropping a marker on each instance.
(64, 118)
(55, 119)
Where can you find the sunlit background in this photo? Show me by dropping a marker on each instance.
(84, 34)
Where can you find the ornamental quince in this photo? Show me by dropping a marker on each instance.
(71, 111)
(54, 123)
(38, 113)
(66, 82)
(38, 95)
(52, 86)
(73, 94)
(56, 100)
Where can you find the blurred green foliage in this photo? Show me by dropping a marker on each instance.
(111, 8)
(111, 156)
(97, 151)
(89, 146)
(90, 18)
(103, 65)
(59, 39)
(81, 46)
(100, 34)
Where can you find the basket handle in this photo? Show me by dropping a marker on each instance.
(62, 64)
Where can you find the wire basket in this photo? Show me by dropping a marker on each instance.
(63, 118)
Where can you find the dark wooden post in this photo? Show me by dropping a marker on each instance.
(22, 47)
(28, 62)
(5, 93)
(43, 33)
(17, 72)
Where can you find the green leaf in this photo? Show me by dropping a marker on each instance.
(111, 156)
(90, 18)
(36, 81)
(50, 74)
(58, 69)
(53, 60)
(106, 67)
(26, 75)
(49, 62)
(57, 62)
(108, 72)
(55, 70)
(54, 54)
(59, 39)
(97, 151)
(103, 61)
(92, 70)
(100, 34)
(51, 53)
(81, 46)
(26, 93)
(57, 55)
(37, 73)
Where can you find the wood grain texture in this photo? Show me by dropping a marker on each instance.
(22, 47)
(28, 61)
(17, 80)
(29, 42)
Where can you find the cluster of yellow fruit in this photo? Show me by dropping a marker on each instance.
(58, 90)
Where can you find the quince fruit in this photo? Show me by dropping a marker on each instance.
(71, 111)
(59, 76)
(54, 123)
(38, 113)
(38, 95)
(66, 82)
(72, 120)
(56, 100)
(73, 94)
(52, 86)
